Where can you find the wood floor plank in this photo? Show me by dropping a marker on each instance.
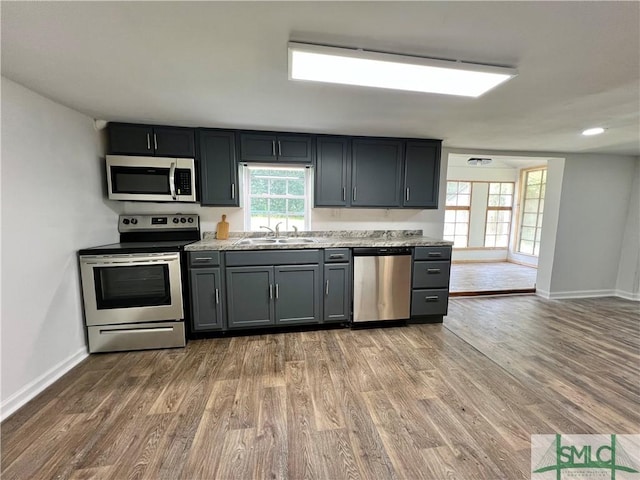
(457, 400)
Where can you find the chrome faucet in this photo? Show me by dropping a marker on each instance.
(271, 230)
(295, 231)
(278, 229)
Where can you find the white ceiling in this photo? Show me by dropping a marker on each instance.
(224, 64)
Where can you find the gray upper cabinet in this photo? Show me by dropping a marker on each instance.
(134, 139)
(218, 168)
(333, 172)
(292, 148)
(421, 174)
(297, 294)
(376, 173)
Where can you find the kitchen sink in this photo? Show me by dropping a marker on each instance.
(275, 241)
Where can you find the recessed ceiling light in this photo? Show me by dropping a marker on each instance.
(593, 131)
(399, 72)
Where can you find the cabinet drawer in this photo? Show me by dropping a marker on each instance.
(139, 336)
(204, 258)
(431, 274)
(429, 302)
(432, 253)
(272, 257)
(332, 255)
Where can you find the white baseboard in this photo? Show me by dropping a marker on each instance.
(588, 294)
(33, 388)
(628, 295)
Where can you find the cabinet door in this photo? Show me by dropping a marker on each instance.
(257, 147)
(337, 288)
(294, 148)
(376, 173)
(206, 299)
(297, 294)
(332, 180)
(421, 174)
(174, 142)
(130, 139)
(218, 168)
(250, 292)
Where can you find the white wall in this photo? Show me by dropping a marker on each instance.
(52, 205)
(628, 282)
(596, 191)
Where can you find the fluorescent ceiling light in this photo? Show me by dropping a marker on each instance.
(593, 131)
(399, 72)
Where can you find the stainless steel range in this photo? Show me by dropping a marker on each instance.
(134, 290)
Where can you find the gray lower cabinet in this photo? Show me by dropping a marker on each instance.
(273, 295)
(297, 294)
(206, 299)
(206, 291)
(430, 287)
(337, 292)
(250, 294)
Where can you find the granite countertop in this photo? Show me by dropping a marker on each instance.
(325, 239)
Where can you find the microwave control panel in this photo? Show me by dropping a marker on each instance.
(183, 181)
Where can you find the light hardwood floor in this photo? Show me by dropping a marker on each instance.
(491, 276)
(445, 401)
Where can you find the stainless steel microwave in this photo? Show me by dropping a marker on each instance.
(151, 179)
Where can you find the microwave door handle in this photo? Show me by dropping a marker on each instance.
(172, 180)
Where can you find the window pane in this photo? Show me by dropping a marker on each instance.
(492, 216)
(449, 229)
(464, 187)
(526, 247)
(460, 242)
(494, 200)
(533, 191)
(278, 187)
(491, 228)
(259, 185)
(506, 200)
(504, 216)
(464, 200)
(502, 241)
(296, 187)
(531, 206)
(462, 229)
(506, 188)
(450, 216)
(489, 241)
(528, 233)
(529, 219)
(451, 200)
(534, 177)
(494, 188)
(452, 188)
(462, 216)
(295, 206)
(503, 228)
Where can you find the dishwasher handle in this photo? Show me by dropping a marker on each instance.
(380, 251)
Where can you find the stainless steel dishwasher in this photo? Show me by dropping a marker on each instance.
(381, 284)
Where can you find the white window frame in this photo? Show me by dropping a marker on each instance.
(246, 193)
(499, 209)
(456, 208)
(539, 213)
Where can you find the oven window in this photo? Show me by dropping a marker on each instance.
(135, 286)
(140, 180)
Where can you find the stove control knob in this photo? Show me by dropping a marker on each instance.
(125, 221)
(183, 220)
(190, 220)
(134, 221)
(175, 220)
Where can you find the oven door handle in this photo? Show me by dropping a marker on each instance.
(134, 261)
(172, 180)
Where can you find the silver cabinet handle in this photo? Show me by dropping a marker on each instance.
(155, 142)
(326, 288)
(344, 194)
(270, 291)
(172, 179)
(233, 190)
(433, 270)
(148, 141)
(333, 256)
(197, 259)
(354, 194)
(277, 291)
(434, 254)
(273, 148)
(279, 148)
(407, 195)
(217, 296)
(433, 298)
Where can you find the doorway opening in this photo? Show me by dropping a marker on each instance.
(493, 214)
